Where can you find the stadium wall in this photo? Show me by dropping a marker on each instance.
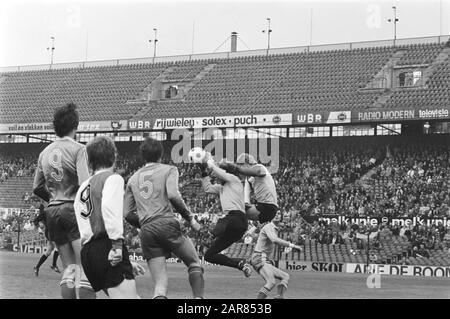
(302, 266)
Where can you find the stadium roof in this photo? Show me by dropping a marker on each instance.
(227, 55)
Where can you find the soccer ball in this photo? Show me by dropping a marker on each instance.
(196, 155)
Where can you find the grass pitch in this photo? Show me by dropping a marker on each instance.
(17, 280)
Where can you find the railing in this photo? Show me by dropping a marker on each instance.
(230, 55)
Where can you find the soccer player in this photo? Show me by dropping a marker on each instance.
(99, 212)
(152, 191)
(62, 167)
(260, 262)
(233, 226)
(263, 185)
(50, 245)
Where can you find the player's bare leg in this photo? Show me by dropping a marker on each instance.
(86, 291)
(283, 284)
(187, 253)
(68, 279)
(125, 290)
(158, 270)
(70, 261)
(66, 254)
(270, 281)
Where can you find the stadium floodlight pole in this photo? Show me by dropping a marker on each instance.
(52, 48)
(155, 40)
(268, 31)
(395, 20)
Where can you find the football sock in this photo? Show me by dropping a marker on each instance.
(86, 291)
(263, 293)
(55, 258)
(281, 289)
(196, 280)
(41, 260)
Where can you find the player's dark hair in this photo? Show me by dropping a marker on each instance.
(65, 119)
(151, 150)
(101, 152)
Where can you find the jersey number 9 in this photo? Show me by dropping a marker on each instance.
(85, 198)
(55, 159)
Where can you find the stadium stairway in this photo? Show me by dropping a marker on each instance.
(382, 79)
(199, 77)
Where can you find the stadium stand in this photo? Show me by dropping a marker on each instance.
(340, 176)
(323, 80)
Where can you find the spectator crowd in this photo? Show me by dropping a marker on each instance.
(367, 177)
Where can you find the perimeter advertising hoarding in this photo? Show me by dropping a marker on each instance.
(295, 265)
(370, 116)
(374, 221)
(83, 126)
(401, 270)
(212, 121)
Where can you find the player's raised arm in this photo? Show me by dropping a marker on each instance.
(248, 166)
(220, 173)
(39, 187)
(129, 206)
(256, 170)
(174, 195)
(112, 209)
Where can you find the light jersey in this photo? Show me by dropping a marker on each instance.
(267, 235)
(264, 187)
(231, 193)
(62, 167)
(148, 191)
(99, 207)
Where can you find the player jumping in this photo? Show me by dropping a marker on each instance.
(99, 211)
(263, 249)
(50, 245)
(62, 167)
(263, 185)
(152, 191)
(232, 227)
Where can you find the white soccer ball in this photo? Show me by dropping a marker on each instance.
(197, 155)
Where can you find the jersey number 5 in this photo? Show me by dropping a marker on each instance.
(145, 184)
